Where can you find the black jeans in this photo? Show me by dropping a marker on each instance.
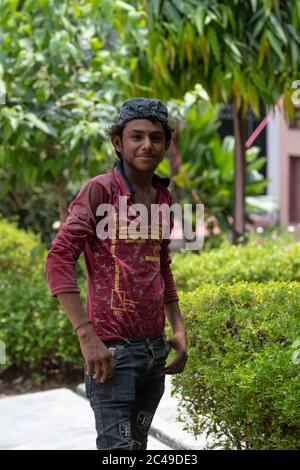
(124, 405)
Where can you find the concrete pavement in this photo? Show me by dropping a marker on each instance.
(54, 420)
(63, 420)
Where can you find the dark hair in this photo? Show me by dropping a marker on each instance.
(117, 130)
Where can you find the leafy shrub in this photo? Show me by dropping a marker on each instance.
(19, 250)
(267, 261)
(241, 383)
(37, 333)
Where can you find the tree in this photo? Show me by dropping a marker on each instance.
(206, 162)
(59, 66)
(243, 53)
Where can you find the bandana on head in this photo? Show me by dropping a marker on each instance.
(142, 108)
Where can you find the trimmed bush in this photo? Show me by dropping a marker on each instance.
(268, 261)
(37, 333)
(20, 251)
(241, 382)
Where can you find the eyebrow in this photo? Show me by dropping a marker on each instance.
(138, 131)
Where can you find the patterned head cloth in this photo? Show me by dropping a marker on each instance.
(142, 108)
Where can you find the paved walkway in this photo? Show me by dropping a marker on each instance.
(53, 420)
(63, 420)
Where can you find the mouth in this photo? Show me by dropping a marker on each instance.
(149, 157)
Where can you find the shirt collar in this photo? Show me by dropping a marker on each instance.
(127, 186)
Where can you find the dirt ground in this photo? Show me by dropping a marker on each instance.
(15, 382)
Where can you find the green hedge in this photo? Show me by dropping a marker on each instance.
(240, 379)
(241, 382)
(268, 261)
(37, 334)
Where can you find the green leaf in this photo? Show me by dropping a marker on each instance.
(30, 174)
(275, 45)
(278, 28)
(253, 176)
(254, 162)
(262, 204)
(232, 46)
(213, 40)
(256, 187)
(199, 19)
(294, 32)
(295, 54)
(13, 122)
(252, 153)
(43, 126)
(2, 92)
(171, 13)
(259, 26)
(155, 4)
(71, 50)
(257, 164)
(124, 6)
(51, 165)
(254, 5)
(181, 6)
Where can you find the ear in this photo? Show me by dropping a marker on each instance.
(117, 142)
(168, 143)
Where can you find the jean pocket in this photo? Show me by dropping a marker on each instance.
(119, 387)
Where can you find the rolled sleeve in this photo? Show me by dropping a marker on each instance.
(170, 292)
(70, 241)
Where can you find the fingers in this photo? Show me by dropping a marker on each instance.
(105, 371)
(178, 365)
(98, 371)
(105, 368)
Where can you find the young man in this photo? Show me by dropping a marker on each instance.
(130, 284)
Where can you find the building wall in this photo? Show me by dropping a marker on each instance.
(273, 152)
(283, 167)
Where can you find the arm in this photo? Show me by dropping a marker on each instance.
(94, 351)
(71, 239)
(61, 272)
(179, 340)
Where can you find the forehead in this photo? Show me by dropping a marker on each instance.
(143, 125)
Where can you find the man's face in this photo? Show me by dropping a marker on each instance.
(143, 143)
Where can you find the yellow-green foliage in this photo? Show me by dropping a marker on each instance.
(242, 379)
(37, 334)
(268, 261)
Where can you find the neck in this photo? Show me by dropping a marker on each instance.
(140, 180)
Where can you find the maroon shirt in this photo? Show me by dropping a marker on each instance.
(128, 280)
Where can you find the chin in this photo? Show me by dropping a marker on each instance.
(145, 166)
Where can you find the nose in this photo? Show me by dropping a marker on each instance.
(147, 143)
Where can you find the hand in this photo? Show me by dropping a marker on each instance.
(98, 358)
(178, 342)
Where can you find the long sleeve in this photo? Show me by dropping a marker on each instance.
(70, 241)
(170, 293)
